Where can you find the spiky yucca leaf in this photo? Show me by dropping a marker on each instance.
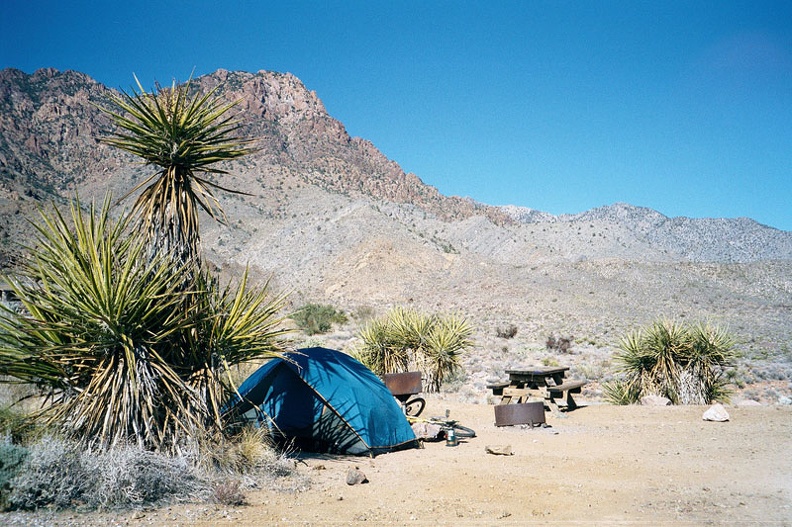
(182, 135)
(235, 325)
(381, 350)
(445, 342)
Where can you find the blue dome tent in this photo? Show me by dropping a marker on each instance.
(325, 401)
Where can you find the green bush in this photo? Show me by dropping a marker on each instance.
(314, 319)
(684, 363)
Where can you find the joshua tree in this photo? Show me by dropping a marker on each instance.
(183, 136)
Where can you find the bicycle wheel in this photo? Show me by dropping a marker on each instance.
(414, 407)
(463, 431)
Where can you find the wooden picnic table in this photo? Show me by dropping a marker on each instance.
(548, 384)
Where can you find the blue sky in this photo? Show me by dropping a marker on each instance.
(681, 106)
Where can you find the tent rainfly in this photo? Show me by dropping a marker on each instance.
(324, 401)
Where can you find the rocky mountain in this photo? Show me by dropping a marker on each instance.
(331, 219)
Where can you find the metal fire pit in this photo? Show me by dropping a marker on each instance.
(403, 383)
(520, 414)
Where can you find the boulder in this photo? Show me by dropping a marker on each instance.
(717, 413)
(355, 477)
(655, 400)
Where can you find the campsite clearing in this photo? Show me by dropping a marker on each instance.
(601, 464)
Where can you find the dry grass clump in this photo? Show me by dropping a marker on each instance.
(506, 332)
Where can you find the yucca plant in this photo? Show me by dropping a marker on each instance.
(183, 136)
(107, 338)
(95, 326)
(381, 351)
(679, 362)
(406, 339)
(446, 340)
(233, 326)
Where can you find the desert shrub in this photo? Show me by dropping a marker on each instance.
(507, 332)
(11, 459)
(406, 340)
(228, 492)
(61, 474)
(317, 318)
(550, 362)
(684, 363)
(52, 476)
(559, 344)
(130, 475)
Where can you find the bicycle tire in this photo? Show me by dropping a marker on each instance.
(414, 406)
(463, 431)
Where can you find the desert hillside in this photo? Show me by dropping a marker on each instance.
(330, 219)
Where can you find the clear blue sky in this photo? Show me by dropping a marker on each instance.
(681, 106)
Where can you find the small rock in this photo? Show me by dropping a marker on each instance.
(784, 400)
(499, 450)
(355, 477)
(716, 412)
(748, 402)
(654, 400)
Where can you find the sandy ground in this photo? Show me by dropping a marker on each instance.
(598, 464)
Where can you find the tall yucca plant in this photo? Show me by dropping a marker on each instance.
(108, 338)
(183, 136)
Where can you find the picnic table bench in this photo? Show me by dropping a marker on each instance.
(547, 384)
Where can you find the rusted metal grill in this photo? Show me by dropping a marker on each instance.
(532, 413)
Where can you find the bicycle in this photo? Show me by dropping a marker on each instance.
(405, 387)
(446, 424)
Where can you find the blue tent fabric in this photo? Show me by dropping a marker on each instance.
(326, 401)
